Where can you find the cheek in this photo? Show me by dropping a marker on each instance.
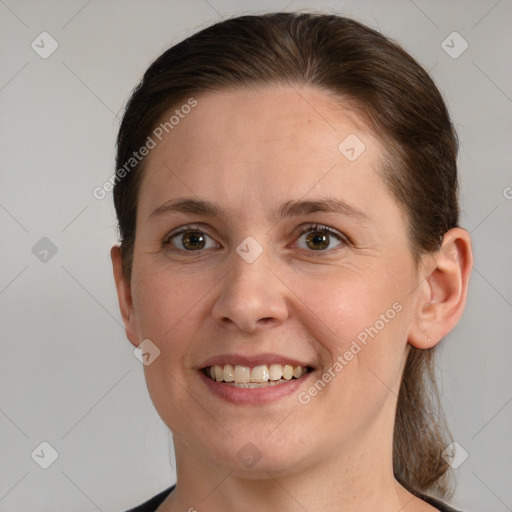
(348, 305)
(163, 303)
(167, 307)
(359, 324)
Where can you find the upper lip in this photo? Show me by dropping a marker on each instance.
(253, 360)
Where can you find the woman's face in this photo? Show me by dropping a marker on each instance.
(260, 283)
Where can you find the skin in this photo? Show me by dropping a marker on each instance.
(250, 151)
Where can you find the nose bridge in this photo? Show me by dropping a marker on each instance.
(251, 295)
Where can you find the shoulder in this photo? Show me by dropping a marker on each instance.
(152, 504)
(438, 504)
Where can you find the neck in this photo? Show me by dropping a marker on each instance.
(360, 479)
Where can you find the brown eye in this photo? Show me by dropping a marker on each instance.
(317, 240)
(190, 240)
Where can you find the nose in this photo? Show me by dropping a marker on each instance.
(251, 296)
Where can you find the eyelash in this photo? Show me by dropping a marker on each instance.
(323, 229)
(166, 242)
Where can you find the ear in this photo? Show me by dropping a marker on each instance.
(442, 294)
(124, 296)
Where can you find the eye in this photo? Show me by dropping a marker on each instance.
(189, 239)
(318, 237)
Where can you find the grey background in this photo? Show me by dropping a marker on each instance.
(68, 375)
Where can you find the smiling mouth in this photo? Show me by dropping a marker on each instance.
(256, 376)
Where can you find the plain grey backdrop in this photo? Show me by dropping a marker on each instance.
(68, 376)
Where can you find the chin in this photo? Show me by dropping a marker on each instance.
(254, 457)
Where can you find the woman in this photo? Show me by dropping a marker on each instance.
(290, 257)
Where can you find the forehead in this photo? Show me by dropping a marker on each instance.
(261, 145)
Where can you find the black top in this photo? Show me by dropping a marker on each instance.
(152, 504)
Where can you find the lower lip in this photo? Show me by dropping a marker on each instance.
(253, 396)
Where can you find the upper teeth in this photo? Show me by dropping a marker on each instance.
(261, 373)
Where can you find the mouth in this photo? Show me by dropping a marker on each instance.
(255, 379)
(259, 376)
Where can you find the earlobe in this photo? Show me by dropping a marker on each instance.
(124, 295)
(443, 292)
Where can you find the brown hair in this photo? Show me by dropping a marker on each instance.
(399, 102)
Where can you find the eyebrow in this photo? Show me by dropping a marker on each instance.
(289, 209)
